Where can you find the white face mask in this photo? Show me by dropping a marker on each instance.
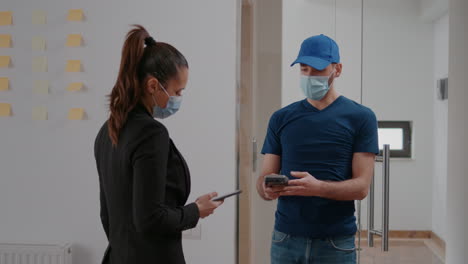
(173, 105)
(315, 87)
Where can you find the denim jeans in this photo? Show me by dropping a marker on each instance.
(287, 249)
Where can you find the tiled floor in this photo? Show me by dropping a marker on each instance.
(409, 251)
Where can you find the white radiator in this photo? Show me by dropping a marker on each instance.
(35, 254)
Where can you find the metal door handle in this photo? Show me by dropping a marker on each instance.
(254, 154)
(385, 159)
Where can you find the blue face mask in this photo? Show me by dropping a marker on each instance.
(315, 87)
(172, 106)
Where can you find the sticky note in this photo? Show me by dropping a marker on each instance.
(41, 87)
(39, 113)
(4, 84)
(74, 87)
(4, 61)
(76, 114)
(74, 40)
(5, 41)
(75, 15)
(39, 64)
(38, 43)
(73, 66)
(38, 17)
(6, 18)
(5, 109)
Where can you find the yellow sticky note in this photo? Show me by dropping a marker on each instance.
(38, 17)
(39, 113)
(5, 41)
(75, 15)
(4, 61)
(38, 43)
(41, 87)
(73, 40)
(73, 66)
(74, 87)
(4, 84)
(6, 18)
(76, 114)
(5, 109)
(39, 64)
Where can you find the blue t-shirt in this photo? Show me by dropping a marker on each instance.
(321, 142)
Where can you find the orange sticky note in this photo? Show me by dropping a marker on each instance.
(4, 84)
(4, 61)
(74, 40)
(74, 87)
(5, 109)
(75, 15)
(76, 114)
(5, 41)
(6, 18)
(73, 66)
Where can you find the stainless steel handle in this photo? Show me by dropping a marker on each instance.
(385, 159)
(254, 154)
(370, 215)
(386, 196)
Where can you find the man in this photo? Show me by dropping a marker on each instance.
(326, 145)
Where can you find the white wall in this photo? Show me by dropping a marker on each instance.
(397, 84)
(433, 9)
(457, 180)
(439, 196)
(49, 184)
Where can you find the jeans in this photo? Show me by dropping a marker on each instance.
(287, 249)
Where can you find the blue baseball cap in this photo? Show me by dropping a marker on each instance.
(318, 52)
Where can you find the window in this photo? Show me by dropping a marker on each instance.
(398, 135)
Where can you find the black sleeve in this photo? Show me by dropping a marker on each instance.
(150, 214)
(102, 197)
(104, 213)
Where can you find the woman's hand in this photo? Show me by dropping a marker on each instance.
(206, 206)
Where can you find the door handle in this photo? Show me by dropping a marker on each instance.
(371, 232)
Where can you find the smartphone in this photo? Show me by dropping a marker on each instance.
(276, 180)
(224, 196)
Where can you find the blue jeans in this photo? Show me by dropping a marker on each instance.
(287, 249)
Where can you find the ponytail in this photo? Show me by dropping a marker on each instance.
(157, 59)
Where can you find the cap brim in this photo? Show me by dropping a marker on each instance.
(316, 63)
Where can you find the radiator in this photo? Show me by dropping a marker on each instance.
(35, 254)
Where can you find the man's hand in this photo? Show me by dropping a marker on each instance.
(272, 193)
(271, 165)
(305, 185)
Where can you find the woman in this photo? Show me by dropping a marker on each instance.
(144, 180)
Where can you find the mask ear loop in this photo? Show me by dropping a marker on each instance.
(164, 89)
(333, 80)
(152, 95)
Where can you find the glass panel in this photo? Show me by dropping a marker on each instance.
(392, 136)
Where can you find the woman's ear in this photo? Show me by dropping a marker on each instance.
(152, 85)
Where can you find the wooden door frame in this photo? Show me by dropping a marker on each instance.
(245, 132)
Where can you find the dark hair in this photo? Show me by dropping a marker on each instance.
(157, 59)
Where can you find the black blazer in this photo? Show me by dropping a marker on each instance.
(144, 184)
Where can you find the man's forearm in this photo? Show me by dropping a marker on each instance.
(353, 189)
